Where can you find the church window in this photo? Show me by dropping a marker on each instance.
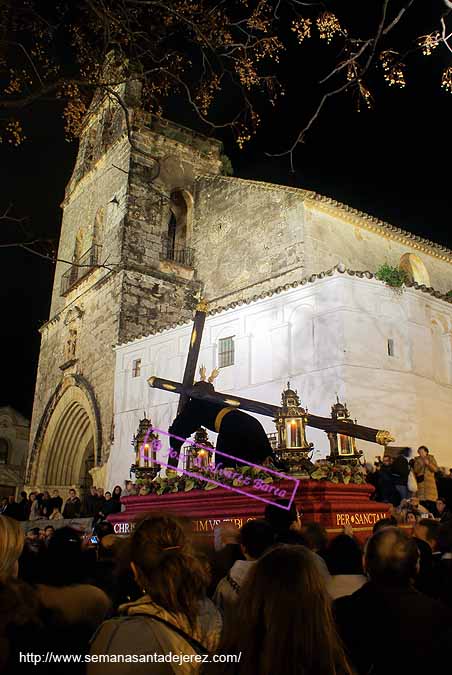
(391, 347)
(226, 352)
(3, 451)
(136, 368)
(414, 269)
(99, 223)
(177, 235)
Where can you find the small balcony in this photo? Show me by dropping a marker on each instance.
(78, 271)
(178, 254)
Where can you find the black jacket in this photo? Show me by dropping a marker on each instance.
(239, 434)
(401, 469)
(393, 630)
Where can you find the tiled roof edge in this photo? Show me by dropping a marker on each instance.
(337, 269)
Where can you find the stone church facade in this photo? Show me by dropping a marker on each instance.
(151, 225)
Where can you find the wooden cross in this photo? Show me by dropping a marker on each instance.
(186, 390)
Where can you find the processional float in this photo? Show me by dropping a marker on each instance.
(337, 427)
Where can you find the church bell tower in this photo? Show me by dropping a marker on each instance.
(125, 267)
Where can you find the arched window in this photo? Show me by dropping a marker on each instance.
(415, 269)
(99, 226)
(178, 229)
(79, 244)
(4, 448)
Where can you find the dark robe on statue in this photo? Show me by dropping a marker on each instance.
(239, 434)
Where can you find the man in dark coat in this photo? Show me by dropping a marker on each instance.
(73, 506)
(239, 434)
(400, 470)
(420, 625)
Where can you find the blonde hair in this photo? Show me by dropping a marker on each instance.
(12, 540)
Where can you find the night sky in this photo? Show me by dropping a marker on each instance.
(391, 162)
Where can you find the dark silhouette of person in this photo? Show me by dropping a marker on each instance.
(239, 434)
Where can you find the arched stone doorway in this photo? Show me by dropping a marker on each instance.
(67, 444)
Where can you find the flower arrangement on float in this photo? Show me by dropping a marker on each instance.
(201, 479)
(338, 473)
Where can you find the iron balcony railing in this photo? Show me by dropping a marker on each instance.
(180, 255)
(79, 270)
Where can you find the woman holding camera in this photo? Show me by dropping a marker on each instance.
(425, 467)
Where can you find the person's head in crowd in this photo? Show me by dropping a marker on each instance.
(427, 530)
(46, 494)
(23, 495)
(108, 546)
(410, 518)
(128, 485)
(64, 561)
(387, 460)
(256, 536)
(282, 595)
(283, 518)
(444, 541)
(33, 534)
(344, 556)
(406, 452)
(100, 492)
(72, 493)
(103, 529)
(117, 490)
(108, 496)
(423, 451)
(164, 565)
(4, 501)
(226, 534)
(11, 545)
(441, 505)
(93, 491)
(49, 531)
(384, 522)
(391, 557)
(315, 536)
(55, 493)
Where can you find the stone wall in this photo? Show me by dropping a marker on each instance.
(248, 237)
(332, 235)
(97, 332)
(251, 238)
(114, 201)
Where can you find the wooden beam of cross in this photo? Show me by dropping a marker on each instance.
(193, 352)
(327, 424)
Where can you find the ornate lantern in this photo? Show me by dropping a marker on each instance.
(146, 444)
(293, 449)
(343, 448)
(199, 458)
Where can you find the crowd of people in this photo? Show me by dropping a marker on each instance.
(42, 506)
(399, 478)
(277, 596)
